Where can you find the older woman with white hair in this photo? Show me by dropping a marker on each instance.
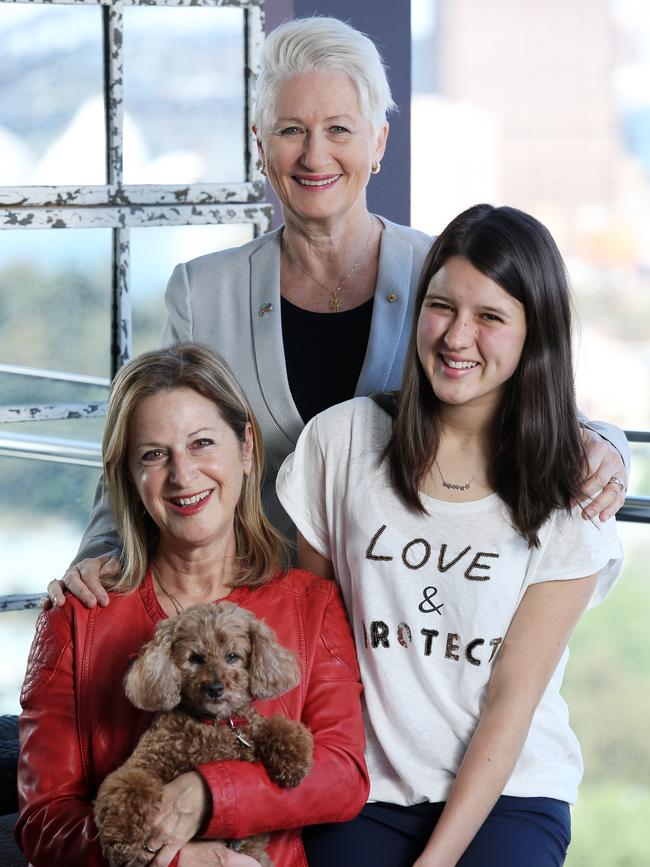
(317, 311)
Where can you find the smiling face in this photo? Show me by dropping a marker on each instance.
(320, 151)
(187, 467)
(470, 335)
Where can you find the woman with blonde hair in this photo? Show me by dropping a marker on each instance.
(182, 461)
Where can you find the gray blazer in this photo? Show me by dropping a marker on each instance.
(219, 300)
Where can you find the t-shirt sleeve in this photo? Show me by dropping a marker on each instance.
(576, 548)
(301, 488)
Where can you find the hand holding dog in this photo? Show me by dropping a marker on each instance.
(179, 817)
(202, 854)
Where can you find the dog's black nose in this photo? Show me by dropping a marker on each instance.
(214, 690)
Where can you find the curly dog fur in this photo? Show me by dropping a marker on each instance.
(201, 669)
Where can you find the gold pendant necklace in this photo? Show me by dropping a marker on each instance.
(335, 298)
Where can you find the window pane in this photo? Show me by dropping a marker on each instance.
(52, 128)
(607, 687)
(19, 390)
(44, 507)
(16, 633)
(183, 95)
(55, 300)
(154, 254)
(87, 431)
(509, 107)
(613, 361)
(640, 474)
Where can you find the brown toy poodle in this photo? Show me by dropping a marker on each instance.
(200, 672)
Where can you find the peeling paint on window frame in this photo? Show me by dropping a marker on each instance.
(121, 207)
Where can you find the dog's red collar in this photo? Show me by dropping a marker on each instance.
(238, 722)
(233, 722)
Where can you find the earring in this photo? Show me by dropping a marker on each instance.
(261, 167)
(376, 168)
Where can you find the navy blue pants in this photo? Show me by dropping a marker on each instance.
(519, 832)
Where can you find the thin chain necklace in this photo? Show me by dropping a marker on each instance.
(452, 487)
(335, 299)
(174, 601)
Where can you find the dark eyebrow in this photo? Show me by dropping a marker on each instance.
(497, 311)
(441, 296)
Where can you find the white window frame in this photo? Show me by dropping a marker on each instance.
(121, 207)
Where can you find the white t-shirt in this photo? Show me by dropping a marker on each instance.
(430, 598)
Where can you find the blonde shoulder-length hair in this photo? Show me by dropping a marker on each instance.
(259, 546)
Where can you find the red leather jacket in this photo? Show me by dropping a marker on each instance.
(77, 725)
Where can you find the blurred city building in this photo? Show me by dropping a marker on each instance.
(542, 106)
(545, 71)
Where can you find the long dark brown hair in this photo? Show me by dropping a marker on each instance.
(536, 456)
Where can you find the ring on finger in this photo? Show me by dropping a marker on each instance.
(616, 481)
(150, 849)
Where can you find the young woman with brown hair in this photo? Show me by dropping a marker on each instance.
(448, 515)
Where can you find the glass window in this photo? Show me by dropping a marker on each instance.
(546, 107)
(640, 474)
(155, 252)
(509, 107)
(183, 95)
(172, 85)
(20, 390)
(86, 431)
(15, 640)
(44, 508)
(55, 304)
(52, 128)
(40, 535)
(607, 688)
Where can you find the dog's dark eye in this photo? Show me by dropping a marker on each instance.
(197, 658)
(232, 657)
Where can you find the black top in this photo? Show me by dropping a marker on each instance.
(324, 354)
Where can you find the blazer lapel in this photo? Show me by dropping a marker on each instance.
(389, 315)
(266, 319)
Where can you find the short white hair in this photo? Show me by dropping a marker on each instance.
(321, 44)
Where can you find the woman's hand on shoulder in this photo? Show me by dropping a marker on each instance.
(604, 463)
(83, 580)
